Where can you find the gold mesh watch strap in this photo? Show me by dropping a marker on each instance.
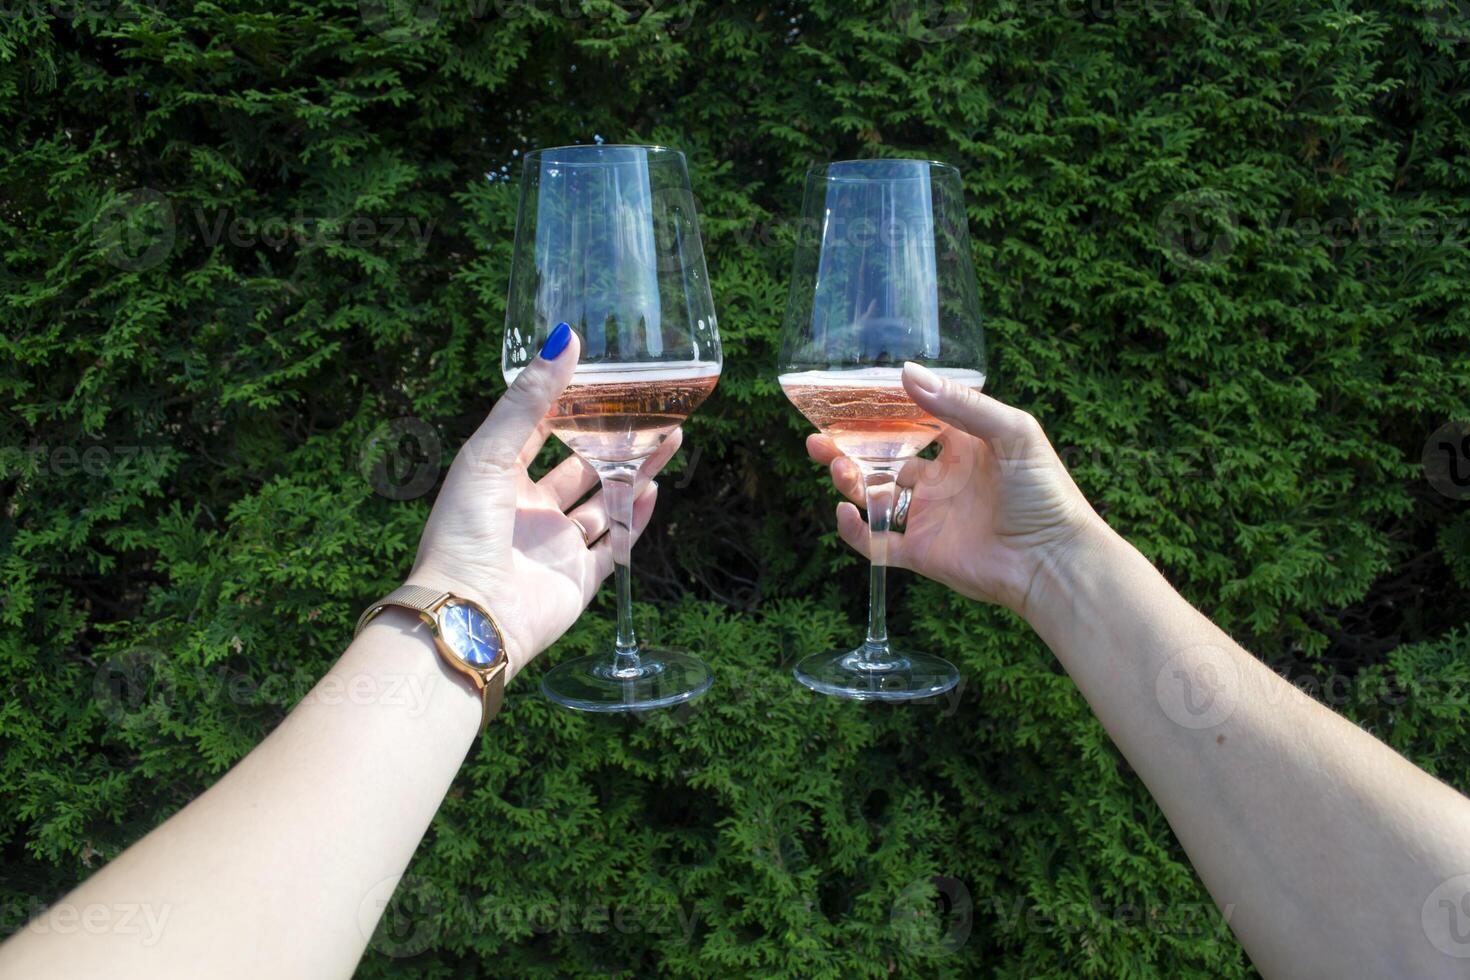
(489, 682)
(414, 597)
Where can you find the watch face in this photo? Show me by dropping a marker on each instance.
(470, 634)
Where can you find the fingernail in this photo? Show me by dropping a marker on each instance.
(557, 342)
(924, 378)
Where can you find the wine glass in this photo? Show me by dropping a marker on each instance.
(882, 275)
(607, 240)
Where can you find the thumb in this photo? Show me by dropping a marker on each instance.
(513, 419)
(1010, 432)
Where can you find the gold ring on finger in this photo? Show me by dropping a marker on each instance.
(582, 528)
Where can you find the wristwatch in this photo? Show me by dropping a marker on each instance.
(467, 637)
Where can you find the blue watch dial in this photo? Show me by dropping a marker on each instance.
(470, 634)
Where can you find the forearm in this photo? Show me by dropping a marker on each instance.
(282, 867)
(1319, 843)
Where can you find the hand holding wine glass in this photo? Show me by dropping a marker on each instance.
(607, 244)
(884, 277)
(995, 507)
(516, 545)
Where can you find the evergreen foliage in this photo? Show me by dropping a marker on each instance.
(253, 269)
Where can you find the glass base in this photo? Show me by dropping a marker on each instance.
(895, 676)
(663, 678)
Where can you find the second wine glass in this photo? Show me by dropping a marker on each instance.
(607, 240)
(882, 275)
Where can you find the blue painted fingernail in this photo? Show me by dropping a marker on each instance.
(557, 342)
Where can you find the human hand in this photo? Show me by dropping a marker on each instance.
(994, 508)
(511, 543)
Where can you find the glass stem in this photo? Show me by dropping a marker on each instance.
(618, 485)
(882, 487)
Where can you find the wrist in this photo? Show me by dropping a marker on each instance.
(393, 662)
(1067, 567)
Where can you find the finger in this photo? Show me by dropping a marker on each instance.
(821, 448)
(593, 517)
(569, 481)
(858, 535)
(846, 476)
(951, 436)
(848, 479)
(602, 554)
(497, 444)
(852, 528)
(915, 471)
(534, 444)
(661, 456)
(1010, 431)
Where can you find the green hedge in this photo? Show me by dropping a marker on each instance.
(248, 248)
